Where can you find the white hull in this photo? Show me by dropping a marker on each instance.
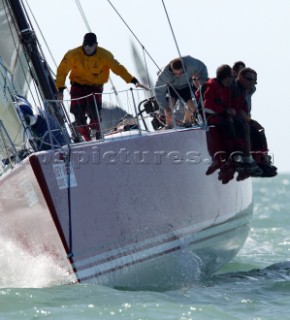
(125, 223)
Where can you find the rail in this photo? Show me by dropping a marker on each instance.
(43, 132)
(113, 118)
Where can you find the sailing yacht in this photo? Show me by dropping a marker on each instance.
(135, 209)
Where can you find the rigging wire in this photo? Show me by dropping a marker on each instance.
(82, 13)
(171, 28)
(179, 53)
(40, 32)
(176, 44)
(134, 35)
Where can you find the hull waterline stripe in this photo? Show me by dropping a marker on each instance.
(159, 250)
(158, 239)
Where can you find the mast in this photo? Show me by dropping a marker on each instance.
(42, 74)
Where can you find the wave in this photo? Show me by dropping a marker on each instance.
(21, 270)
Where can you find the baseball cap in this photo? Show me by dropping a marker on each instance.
(90, 39)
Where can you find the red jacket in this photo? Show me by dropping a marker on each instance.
(217, 97)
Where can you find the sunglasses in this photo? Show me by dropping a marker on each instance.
(249, 78)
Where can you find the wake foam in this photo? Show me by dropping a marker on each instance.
(20, 270)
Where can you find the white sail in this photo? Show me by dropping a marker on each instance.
(14, 77)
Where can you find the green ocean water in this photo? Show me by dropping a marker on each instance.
(255, 285)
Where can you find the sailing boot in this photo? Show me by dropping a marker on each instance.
(266, 165)
(249, 165)
(94, 125)
(85, 132)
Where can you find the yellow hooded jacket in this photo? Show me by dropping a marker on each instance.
(89, 70)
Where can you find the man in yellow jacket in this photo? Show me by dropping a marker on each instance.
(89, 66)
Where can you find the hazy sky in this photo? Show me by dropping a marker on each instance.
(216, 32)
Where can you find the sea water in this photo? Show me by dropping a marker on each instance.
(254, 285)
